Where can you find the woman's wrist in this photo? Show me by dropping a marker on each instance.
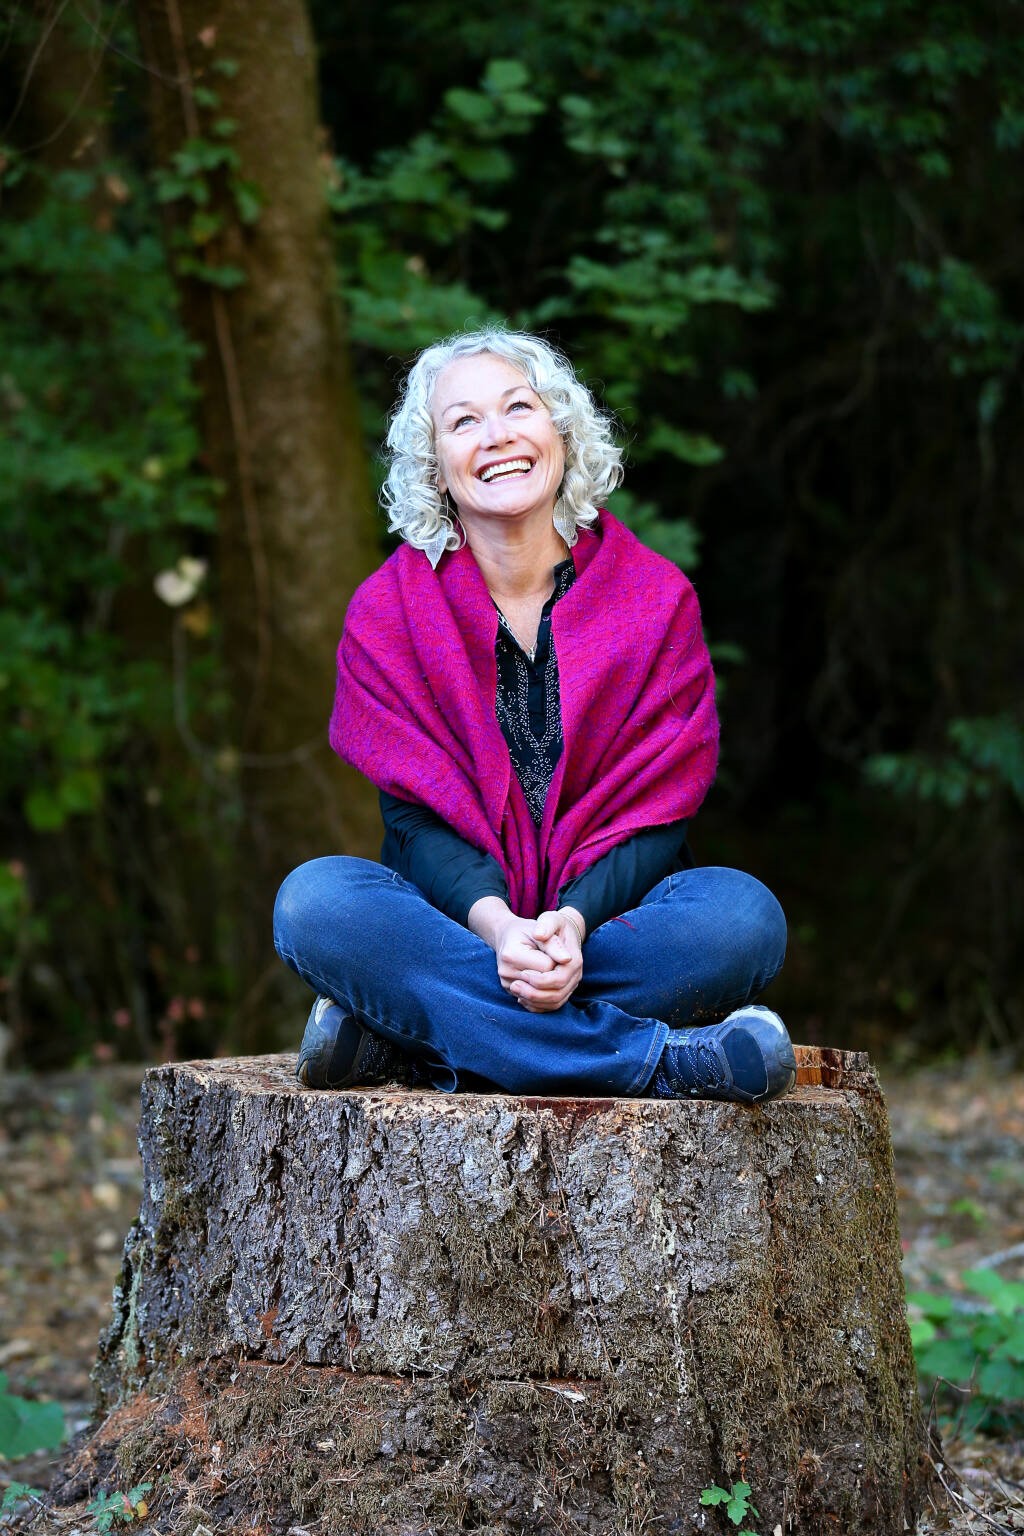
(488, 918)
(577, 920)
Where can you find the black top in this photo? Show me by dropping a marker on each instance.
(452, 874)
(528, 701)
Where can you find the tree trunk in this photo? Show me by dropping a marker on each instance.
(392, 1311)
(280, 425)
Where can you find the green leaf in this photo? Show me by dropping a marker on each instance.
(505, 75)
(739, 1505)
(15, 1492)
(44, 810)
(521, 104)
(106, 1508)
(1007, 1296)
(678, 539)
(81, 790)
(932, 1304)
(224, 276)
(727, 653)
(1002, 1380)
(691, 447)
(27, 1426)
(1012, 1344)
(204, 225)
(952, 1359)
(248, 198)
(471, 106)
(714, 1495)
(483, 162)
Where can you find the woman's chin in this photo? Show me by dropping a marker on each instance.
(507, 507)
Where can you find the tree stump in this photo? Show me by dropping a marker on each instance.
(391, 1311)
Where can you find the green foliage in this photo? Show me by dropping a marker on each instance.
(418, 199)
(27, 1426)
(735, 1501)
(621, 178)
(985, 756)
(971, 1355)
(965, 317)
(99, 452)
(678, 541)
(399, 223)
(205, 178)
(99, 492)
(110, 1509)
(15, 1493)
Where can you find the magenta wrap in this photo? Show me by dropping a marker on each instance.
(415, 705)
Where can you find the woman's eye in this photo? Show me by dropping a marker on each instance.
(461, 422)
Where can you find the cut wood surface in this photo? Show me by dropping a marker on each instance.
(395, 1311)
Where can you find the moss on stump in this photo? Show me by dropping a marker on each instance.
(393, 1311)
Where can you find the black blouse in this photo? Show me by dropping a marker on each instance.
(528, 703)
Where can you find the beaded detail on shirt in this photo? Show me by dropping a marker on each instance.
(528, 701)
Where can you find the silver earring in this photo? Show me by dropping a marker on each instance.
(438, 542)
(436, 547)
(565, 522)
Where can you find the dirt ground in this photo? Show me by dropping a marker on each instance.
(70, 1185)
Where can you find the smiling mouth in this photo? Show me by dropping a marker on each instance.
(510, 469)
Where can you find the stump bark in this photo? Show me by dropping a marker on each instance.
(391, 1311)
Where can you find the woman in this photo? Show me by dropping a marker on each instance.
(528, 687)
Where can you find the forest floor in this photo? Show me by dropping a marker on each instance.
(70, 1185)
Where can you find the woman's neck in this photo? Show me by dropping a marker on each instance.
(517, 563)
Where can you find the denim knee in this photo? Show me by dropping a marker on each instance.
(750, 920)
(300, 902)
(763, 929)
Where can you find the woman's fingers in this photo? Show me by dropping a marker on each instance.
(519, 953)
(511, 967)
(539, 962)
(557, 948)
(536, 1002)
(558, 935)
(545, 981)
(546, 991)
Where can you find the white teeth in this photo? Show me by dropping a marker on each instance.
(510, 467)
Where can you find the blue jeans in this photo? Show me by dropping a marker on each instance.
(700, 944)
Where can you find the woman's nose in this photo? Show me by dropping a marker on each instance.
(496, 427)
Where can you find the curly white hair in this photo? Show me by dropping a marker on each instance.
(593, 461)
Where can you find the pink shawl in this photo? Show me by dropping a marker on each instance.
(415, 706)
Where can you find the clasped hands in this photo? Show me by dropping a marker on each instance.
(540, 959)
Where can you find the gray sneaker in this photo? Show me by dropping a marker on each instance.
(746, 1058)
(336, 1052)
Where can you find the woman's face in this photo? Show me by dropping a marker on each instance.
(499, 454)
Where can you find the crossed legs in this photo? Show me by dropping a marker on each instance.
(700, 944)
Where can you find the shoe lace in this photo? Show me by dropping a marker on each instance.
(702, 1063)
